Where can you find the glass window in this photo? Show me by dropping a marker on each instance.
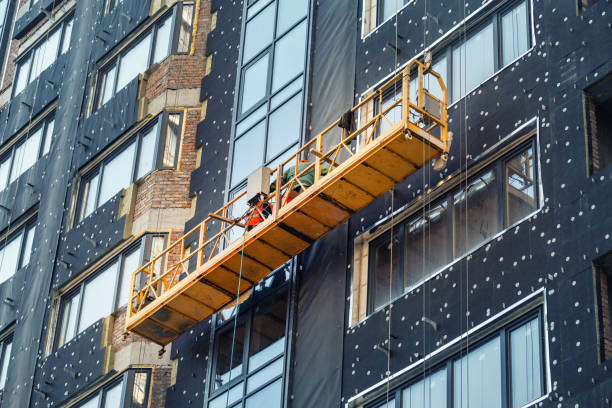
(91, 403)
(521, 186)
(526, 363)
(515, 33)
(23, 69)
(163, 40)
(476, 212)
(94, 306)
(129, 390)
(289, 57)
(90, 192)
(5, 359)
(249, 148)
(269, 397)
(83, 305)
(289, 13)
(390, 7)
(5, 168)
(108, 84)
(255, 83)
(67, 36)
(385, 281)
(259, 32)
(146, 157)
(15, 250)
(185, 27)
(27, 248)
(26, 154)
(173, 135)
(477, 378)
(48, 135)
(429, 392)
(473, 62)
(114, 175)
(226, 355)
(284, 127)
(426, 243)
(134, 62)
(267, 333)
(112, 397)
(139, 394)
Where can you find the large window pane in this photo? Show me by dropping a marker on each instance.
(430, 392)
(284, 127)
(266, 374)
(163, 41)
(224, 400)
(225, 356)
(70, 310)
(173, 135)
(477, 378)
(92, 403)
(248, 153)
(5, 166)
(112, 397)
(390, 7)
(131, 262)
(476, 213)
(289, 57)
(134, 62)
(384, 275)
(89, 196)
(96, 300)
(521, 186)
(67, 35)
(186, 21)
(108, 84)
(146, 158)
(139, 392)
(473, 62)
(26, 154)
(255, 83)
(259, 32)
(48, 136)
(515, 33)
(5, 360)
(22, 74)
(9, 257)
(394, 114)
(117, 174)
(426, 248)
(269, 397)
(27, 248)
(289, 12)
(267, 332)
(526, 363)
(50, 50)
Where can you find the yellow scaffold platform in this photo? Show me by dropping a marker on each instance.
(198, 274)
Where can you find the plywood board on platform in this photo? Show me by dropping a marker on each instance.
(306, 225)
(266, 254)
(226, 280)
(325, 212)
(415, 150)
(153, 331)
(391, 164)
(348, 195)
(190, 307)
(173, 320)
(208, 295)
(284, 240)
(370, 180)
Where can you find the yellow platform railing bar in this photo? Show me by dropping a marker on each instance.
(330, 154)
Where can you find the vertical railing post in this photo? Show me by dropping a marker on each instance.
(132, 288)
(201, 241)
(279, 196)
(318, 159)
(420, 90)
(405, 95)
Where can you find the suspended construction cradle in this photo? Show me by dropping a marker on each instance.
(199, 274)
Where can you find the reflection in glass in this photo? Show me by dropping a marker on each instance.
(67, 35)
(426, 247)
(429, 392)
(526, 363)
(476, 213)
(139, 393)
(27, 248)
(384, 274)
(114, 176)
(284, 127)
(48, 136)
(108, 84)
(289, 13)
(477, 378)
(22, 74)
(289, 56)
(289, 90)
(5, 166)
(146, 158)
(255, 84)
(89, 195)
(266, 374)
(92, 403)
(135, 61)
(223, 400)
(473, 62)
(163, 41)
(248, 153)
(173, 135)
(521, 186)
(112, 396)
(9, 257)
(5, 360)
(26, 154)
(259, 32)
(269, 397)
(515, 33)
(267, 332)
(184, 38)
(131, 262)
(70, 310)
(224, 355)
(95, 306)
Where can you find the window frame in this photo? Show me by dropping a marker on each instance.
(6, 338)
(143, 245)
(114, 61)
(21, 233)
(498, 166)
(135, 137)
(126, 379)
(27, 55)
(502, 333)
(245, 316)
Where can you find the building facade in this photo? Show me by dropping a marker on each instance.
(484, 284)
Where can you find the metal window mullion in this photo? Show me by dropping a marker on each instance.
(175, 28)
(99, 186)
(79, 309)
(501, 182)
(505, 367)
(497, 46)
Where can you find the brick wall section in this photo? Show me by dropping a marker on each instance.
(161, 382)
(15, 44)
(606, 316)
